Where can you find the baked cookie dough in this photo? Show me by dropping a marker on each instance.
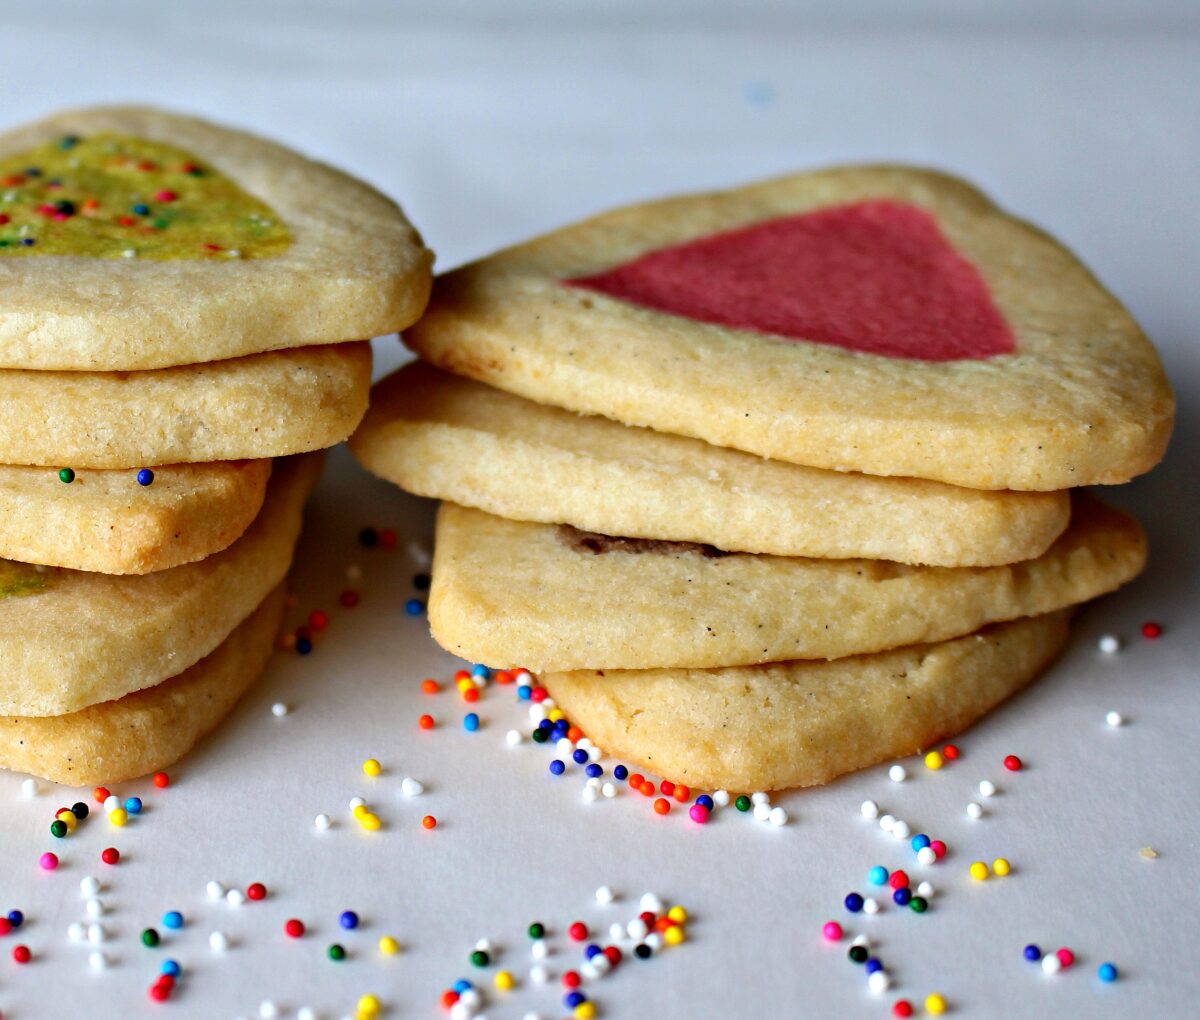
(451, 438)
(134, 238)
(105, 521)
(547, 597)
(263, 405)
(882, 319)
(150, 729)
(803, 723)
(69, 639)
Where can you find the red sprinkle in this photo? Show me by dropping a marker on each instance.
(318, 619)
(5, 926)
(1012, 763)
(22, 954)
(449, 998)
(387, 538)
(578, 931)
(294, 928)
(613, 954)
(429, 822)
(430, 686)
(938, 848)
(160, 992)
(950, 753)
(348, 599)
(425, 722)
(1151, 630)
(162, 780)
(111, 855)
(899, 879)
(165, 196)
(256, 891)
(571, 979)
(902, 1008)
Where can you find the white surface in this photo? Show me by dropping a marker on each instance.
(492, 122)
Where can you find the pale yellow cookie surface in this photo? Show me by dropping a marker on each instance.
(150, 729)
(353, 265)
(262, 405)
(104, 521)
(513, 593)
(803, 723)
(70, 639)
(1082, 400)
(444, 436)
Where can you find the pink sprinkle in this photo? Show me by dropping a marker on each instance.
(48, 861)
(938, 848)
(1065, 957)
(165, 196)
(832, 931)
(698, 813)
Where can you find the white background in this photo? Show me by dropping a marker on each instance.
(491, 122)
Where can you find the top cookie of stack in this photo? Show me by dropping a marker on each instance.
(180, 304)
(925, 377)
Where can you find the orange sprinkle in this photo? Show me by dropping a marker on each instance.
(682, 794)
(662, 806)
(429, 822)
(431, 686)
(425, 722)
(647, 789)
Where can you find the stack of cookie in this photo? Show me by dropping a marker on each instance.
(184, 319)
(773, 484)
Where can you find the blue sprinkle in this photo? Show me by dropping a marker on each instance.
(145, 477)
(29, 242)
(854, 902)
(594, 771)
(545, 724)
(705, 801)
(462, 985)
(172, 919)
(1032, 953)
(1107, 972)
(902, 897)
(621, 773)
(593, 950)
(348, 920)
(873, 965)
(303, 645)
(579, 757)
(920, 841)
(133, 805)
(479, 669)
(171, 968)
(573, 999)
(524, 692)
(878, 875)
(557, 767)
(16, 918)
(470, 722)
(414, 607)
(141, 209)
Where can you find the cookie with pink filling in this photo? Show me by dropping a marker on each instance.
(881, 319)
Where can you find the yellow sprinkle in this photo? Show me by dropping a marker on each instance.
(118, 816)
(369, 1004)
(678, 914)
(465, 685)
(372, 767)
(979, 871)
(389, 946)
(555, 714)
(934, 760)
(361, 810)
(585, 1010)
(370, 822)
(504, 981)
(674, 935)
(935, 1004)
(67, 817)
(1001, 866)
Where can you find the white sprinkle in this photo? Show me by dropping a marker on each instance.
(762, 812)
(471, 998)
(760, 798)
(589, 794)
(512, 738)
(323, 822)
(279, 710)
(411, 787)
(594, 754)
(94, 909)
(1109, 644)
(897, 773)
(636, 929)
(654, 940)
(96, 934)
(267, 1010)
(89, 886)
(869, 808)
(926, 855)
(76, 932)
(584, 744)
(564, 746)
(886, 822)
(588, 970)
(593, 782)
(536, 713)
(306, 1013)
(419, 554)
(532, 1016)
(879, 982)
(870, 905)
(538, 949)
(987, 788)
(218, 941)
(129, 253)
(777, 816)
(651, 903)
(484, 946)
(111, 803)
(97, 960)
(925, 889)
(538, 974)
(901, 829)
(29, 788)
(721, 798)
(609, 790)
(1114, 719)
(605, 895)
(235, 897)
(356, 803)
(214, 890)
(616, 932)
(460, 1011)
(974, 810)
(600, 964)
(1051, 964)
(861, 940)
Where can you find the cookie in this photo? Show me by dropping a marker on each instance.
(135, 238)
(444, 436)
(882, 319)
(549, 597)
(107, 521)
(150, 729)
(70, 639)
(803, 723)
(263, 405)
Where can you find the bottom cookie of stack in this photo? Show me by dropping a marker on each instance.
(151, 728)
(805, 722)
